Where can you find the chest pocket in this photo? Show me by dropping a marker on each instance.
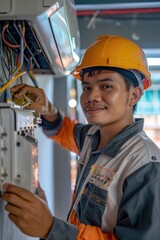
(91, 205)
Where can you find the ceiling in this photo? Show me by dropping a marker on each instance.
(137, 20)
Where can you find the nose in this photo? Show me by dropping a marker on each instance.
(94, 95)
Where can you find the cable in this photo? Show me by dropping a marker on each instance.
(30, 72)
(5, 86)
(2, 64)
(4, 40)
(20, 58)
(11, 59)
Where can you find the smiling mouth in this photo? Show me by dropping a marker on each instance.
(94, 109)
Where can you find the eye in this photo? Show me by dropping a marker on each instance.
(85, 88)
(106, 86)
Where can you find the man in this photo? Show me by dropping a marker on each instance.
(118, 184)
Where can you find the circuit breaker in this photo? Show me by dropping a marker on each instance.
(18, 147)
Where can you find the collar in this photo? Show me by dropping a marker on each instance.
(112, 148)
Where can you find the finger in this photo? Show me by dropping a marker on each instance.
(27, 90)
(17, 87)
(16, 192)
(13, 209)
(16, 220)
(12, 217)
(14, 200)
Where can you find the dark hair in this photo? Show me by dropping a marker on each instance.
(128, 76)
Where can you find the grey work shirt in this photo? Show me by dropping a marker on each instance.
(138, 213)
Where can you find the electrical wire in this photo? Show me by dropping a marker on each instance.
(11, 59)
(30, 72)
(4, 65)
(21, 33)
(20, 58)
(6, 25)
(12, 46)
(13, 79)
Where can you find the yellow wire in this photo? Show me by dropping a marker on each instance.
(23, 28)
(17, 69)
(5, 86)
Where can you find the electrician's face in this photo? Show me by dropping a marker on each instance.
(105, 99)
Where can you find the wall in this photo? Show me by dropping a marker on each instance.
(62, 181)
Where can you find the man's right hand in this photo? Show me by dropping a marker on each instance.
(29, 212)
(39, 101)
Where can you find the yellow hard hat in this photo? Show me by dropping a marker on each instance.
(118, 52)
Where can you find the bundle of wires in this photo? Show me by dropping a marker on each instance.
(15, 56)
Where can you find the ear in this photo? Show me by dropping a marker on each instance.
(135, 95)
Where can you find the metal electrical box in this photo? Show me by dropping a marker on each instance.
(18, 148)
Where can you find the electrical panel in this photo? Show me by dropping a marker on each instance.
(18, 147)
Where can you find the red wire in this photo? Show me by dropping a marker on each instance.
(8, 43)
(5, 41)
(18, 58)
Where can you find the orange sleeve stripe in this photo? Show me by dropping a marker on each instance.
(65, 136)
(87, 232)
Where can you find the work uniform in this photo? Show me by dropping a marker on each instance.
(117, 192)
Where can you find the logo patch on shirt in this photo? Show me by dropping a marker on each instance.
(101, 177)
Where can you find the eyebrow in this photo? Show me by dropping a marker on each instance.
(99, 80)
